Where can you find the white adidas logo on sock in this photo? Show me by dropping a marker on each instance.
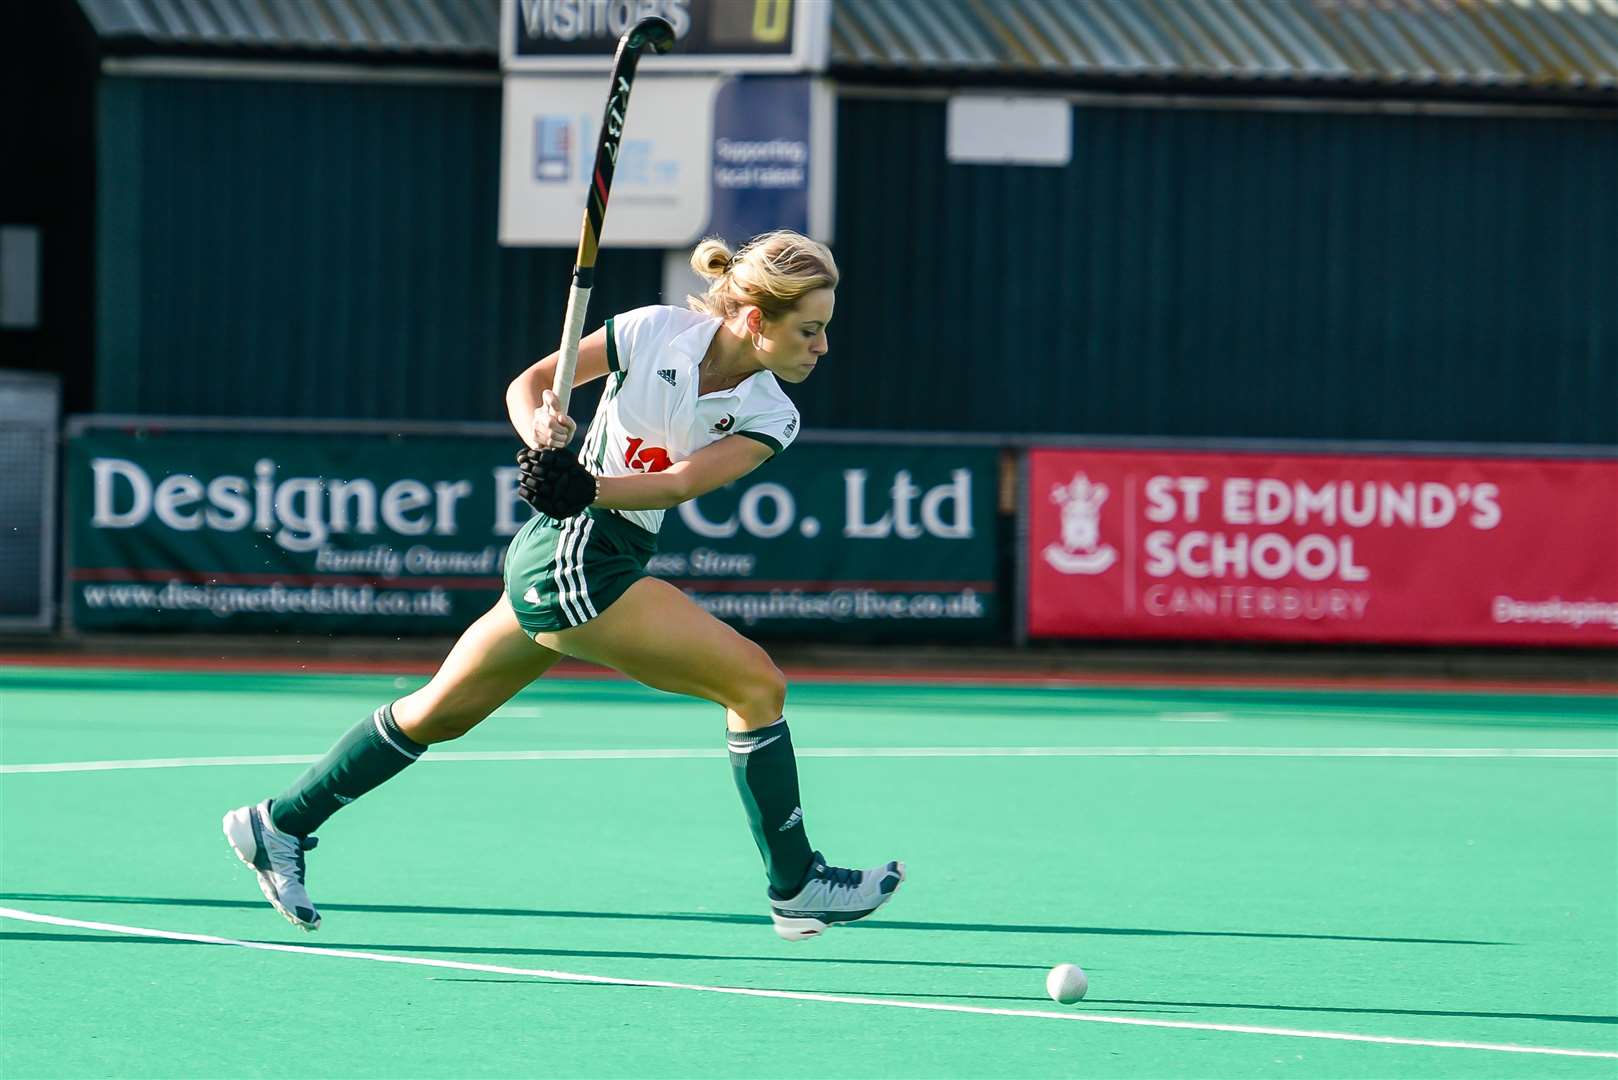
(795, 817)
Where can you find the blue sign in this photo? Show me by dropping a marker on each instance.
(761, 156)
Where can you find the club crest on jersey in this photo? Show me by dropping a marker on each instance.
(726, 422)
(666, 374)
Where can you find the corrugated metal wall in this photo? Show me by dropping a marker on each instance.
(1230, 273)
(318, 249)
(303, 249)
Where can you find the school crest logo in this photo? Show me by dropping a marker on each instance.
(1081, 550)
(724, 425)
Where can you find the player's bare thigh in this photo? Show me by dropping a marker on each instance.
(493, 660)
(656, 635)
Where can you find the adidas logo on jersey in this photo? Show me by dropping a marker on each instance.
(667, 375)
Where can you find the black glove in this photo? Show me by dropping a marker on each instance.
(554, 483)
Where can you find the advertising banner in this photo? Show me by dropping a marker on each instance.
(660, 183)
(829, 542)
(212, 531)
(1322, 548)
(701, 155)
(762, 151)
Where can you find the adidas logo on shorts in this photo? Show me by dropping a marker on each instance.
(666, 374)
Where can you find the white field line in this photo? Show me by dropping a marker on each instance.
(1167, 708)
(1165, 711)
(451, 756)
(792, 995)
(1432, 717)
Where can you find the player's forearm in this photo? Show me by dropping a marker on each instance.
(707, 470)
(523, 397)
(651, 491)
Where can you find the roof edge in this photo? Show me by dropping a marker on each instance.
(1592, 99)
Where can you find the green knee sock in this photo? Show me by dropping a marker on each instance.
(370, 752)
(766, 774)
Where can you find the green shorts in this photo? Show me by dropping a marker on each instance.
(565, 573)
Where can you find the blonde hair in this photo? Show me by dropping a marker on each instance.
(771, 272)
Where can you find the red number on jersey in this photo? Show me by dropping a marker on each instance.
(648, 460)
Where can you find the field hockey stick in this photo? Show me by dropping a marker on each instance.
(659, 34)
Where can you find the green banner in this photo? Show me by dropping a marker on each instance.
(841, 542)
(252, 532)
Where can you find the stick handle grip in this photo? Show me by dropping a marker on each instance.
(578, 302)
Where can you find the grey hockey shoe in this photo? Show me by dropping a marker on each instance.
(277, 858)
(834, 895)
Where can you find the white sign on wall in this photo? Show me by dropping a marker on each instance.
(987, 130)
(660, 189)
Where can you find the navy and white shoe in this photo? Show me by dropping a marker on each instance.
(277, 858)
(834, 895)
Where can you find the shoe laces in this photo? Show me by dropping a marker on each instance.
(839, 877)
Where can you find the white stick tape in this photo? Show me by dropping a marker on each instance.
(578, 301)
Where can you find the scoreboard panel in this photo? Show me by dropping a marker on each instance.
(713, 35)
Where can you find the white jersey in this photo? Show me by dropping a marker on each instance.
(650, 415)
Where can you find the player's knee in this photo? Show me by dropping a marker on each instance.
(446, 725)
(429, 718)
(761, 692)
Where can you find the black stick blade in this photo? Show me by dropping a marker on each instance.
(654, 31)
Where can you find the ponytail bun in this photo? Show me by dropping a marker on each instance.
(711, 258)
(770, 272)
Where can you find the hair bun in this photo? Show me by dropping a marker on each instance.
(771, 272)
(712, 258)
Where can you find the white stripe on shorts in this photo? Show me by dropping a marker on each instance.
(559, 575)
(584, 582)
(572, 587)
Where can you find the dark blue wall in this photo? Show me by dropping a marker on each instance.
(319, 250)
(326, 249)
(1231, 273)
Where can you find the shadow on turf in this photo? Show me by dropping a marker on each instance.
(749, 920)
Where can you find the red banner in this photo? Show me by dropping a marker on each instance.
(1309, 547)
